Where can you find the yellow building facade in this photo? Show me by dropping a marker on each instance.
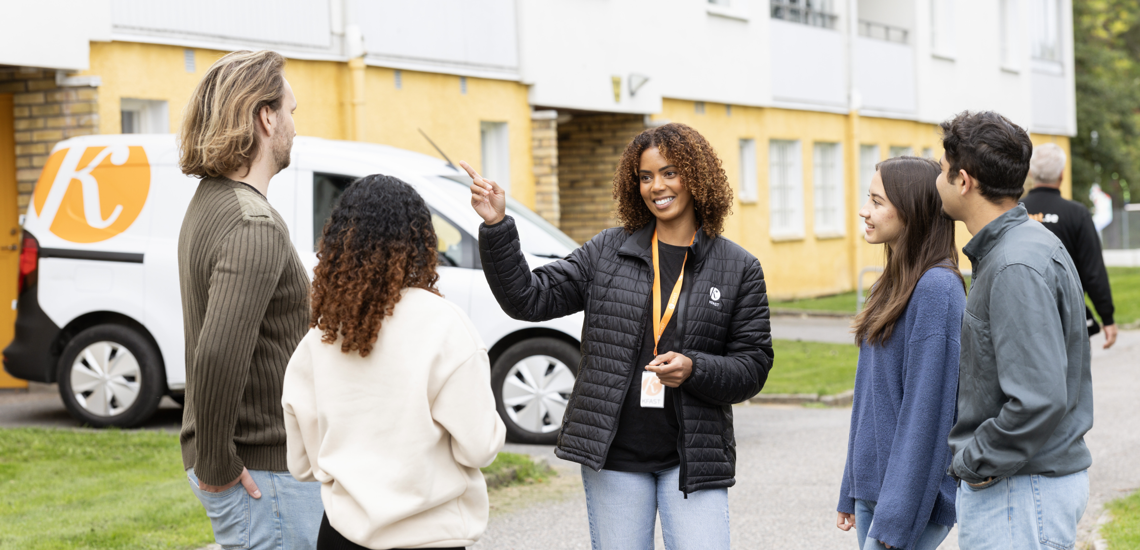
(811, 265)
(338, 100)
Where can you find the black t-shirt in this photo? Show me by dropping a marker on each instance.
(646, 438)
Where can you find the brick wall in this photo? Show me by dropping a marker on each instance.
(44, 114)
(544, 153)
(589, 148)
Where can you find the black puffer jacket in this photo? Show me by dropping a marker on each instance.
(723, 319)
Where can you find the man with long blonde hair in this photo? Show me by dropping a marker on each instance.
(245, 300)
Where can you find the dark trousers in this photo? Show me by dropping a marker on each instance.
(329, 539)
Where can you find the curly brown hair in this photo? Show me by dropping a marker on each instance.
(378, 241)
(700, 169)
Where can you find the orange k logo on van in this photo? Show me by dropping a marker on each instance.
(91, 194)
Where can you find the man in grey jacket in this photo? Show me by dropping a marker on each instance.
(1025, 385)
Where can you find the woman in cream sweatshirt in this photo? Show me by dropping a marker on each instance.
(388, 397)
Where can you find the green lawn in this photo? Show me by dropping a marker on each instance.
(1125, 284)
(812, 367)
(1124, 530)
(112, 489)
(836, 303)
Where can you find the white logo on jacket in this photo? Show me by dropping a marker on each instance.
(714, 293)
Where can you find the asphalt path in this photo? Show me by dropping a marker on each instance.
(790, 459)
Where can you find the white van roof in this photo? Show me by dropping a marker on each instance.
(165, 144)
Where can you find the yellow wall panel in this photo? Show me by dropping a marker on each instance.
(324, 90)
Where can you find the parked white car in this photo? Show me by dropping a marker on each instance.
(99, 309)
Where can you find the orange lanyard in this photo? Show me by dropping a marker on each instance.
(661, 321)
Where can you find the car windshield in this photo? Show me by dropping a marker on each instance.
(536, 235)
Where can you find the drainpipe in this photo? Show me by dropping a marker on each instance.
(354, 48)
(854, 102)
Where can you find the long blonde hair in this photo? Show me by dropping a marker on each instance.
(219, 134)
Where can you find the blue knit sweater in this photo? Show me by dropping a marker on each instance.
(904, 407)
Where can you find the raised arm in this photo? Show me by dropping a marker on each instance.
(554, 290)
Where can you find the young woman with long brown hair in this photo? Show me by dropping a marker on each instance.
(895, 491)
(676, 331)
(388, 398)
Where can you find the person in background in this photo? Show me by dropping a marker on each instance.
(245, 298)
(895, 489)
(388, 398)
(676, 331)
(1025, 381)
(1071, 222)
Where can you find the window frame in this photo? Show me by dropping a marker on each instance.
(749, 176)
(495, 152)
(785, 175)
(828, 197)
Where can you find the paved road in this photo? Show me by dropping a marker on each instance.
(791, 458)
(835, 330)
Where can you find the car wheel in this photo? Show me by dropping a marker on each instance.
(110, 375)
(532, 382)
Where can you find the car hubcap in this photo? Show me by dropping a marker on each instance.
(535, 393)
(105, 379)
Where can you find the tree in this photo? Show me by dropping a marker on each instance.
(1106, 149)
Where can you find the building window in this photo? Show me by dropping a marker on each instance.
(144, 116)
(928, 153)
(879, 31)
(496, 153)
(463, 85)
(748, 190)
(942, 27)
(1047, 30)
(827, 175)
(900, 151)
(188, 61)
(868, 158)
(816, 13)
(399, 78)
(699, 107)
(785, 189)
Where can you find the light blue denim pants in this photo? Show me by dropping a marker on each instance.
(930, 538)
(623, 507)
(286, 517)
(1026, 512)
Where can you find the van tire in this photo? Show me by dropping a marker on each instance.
(561, 364)
(145, 375)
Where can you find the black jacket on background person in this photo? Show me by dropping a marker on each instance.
(721, 319)
(1071, 222)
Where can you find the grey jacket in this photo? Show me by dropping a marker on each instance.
(1025, 383)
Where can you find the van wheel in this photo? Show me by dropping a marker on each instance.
(110, 375)
(532, 382)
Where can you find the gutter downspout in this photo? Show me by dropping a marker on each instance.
(356, 67)
(854, 102)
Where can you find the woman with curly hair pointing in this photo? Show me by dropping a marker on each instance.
(676, 331)
(388, 397)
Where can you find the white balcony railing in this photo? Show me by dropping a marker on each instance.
(806, 12)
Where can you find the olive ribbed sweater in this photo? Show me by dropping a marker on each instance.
(245, 306)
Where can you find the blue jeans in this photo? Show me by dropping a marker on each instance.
(286, 517)
(1025, 512)
(623, 506)
(930, 538)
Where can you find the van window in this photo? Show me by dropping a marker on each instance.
(536, 235)
(455, 248)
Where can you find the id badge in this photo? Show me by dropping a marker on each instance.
(652, 391)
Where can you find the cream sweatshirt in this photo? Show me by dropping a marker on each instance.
(397, 438)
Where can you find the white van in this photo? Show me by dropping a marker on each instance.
(99, 309)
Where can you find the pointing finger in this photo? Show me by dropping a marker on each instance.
(470, 171)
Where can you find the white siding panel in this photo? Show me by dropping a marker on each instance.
(479, 34)
(285, 22)
(884, 75)
(807, 64)
(1051, 102)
